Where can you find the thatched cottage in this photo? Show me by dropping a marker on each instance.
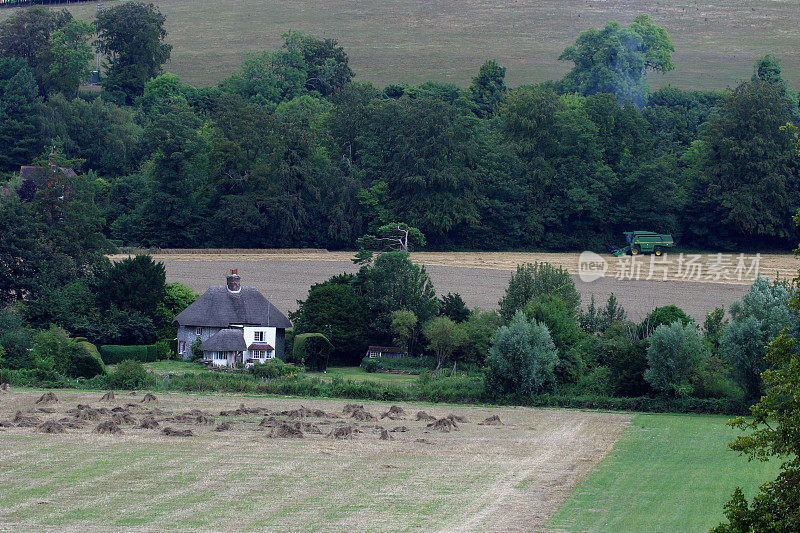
(234, 324)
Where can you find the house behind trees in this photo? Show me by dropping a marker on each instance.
(234, 324)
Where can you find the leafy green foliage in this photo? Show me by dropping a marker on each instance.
(488, 89)
(739, 199)
(393, 283)
(444, 338)
(131, 35)
(339, 312)
(312, 350)
(615, 60)
(521, 359)
(404, 326)
(663, 316)
(478, 330)
(113, 354)
(759, 317)
(453, 306)
(273, 369)
(773, 432)
(128, 375)
(595, 319)
(675, 356)
(19, 129)
(136, 283)
(55, 350)
(534, 280)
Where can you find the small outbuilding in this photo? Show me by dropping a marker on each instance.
(385, 351)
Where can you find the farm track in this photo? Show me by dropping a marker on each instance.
(284, 276)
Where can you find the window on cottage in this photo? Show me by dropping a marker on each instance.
(198, 331)
(181, 347)
(259, 336)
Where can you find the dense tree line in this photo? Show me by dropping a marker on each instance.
(291, 151)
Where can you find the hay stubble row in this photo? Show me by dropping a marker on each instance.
(511, 475)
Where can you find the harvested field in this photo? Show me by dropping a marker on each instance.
(481, 278)
(404, 41)
(380, 478)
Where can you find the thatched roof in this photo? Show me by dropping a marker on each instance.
(225, 340)
(220, 308)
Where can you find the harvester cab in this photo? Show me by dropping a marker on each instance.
(645, 242)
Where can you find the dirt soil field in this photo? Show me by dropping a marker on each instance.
(508, 477)
(405, 41)
(481, 278)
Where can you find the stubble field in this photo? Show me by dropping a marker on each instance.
(405, 41)
(509, 477)
(284, 276)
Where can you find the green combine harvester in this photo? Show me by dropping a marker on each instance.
(645, 242)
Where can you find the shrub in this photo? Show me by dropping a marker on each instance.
(626, 356)
(558, 316)
(663, 316)
(521, 359)
(312, 350)
(598, 382)
(478, 329)
(164, 350)
(533, 280)
(453, 307)
(128, 375)
(369, 364)
(274, 368)
(85, 366)
(674, 358)
(113, 354)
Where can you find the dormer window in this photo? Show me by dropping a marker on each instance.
(259, 336)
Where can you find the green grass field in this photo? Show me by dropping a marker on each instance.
(395, 41)
(667, 473)
(350, 372)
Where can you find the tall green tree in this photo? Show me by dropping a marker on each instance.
(773, 432)
(522, 358)
(745, 190)
(755, 320)
(488, 89)
(335, 309)
(70, 53)
(136, 283)
(27, 34)
(532, 280)
(444, 337)
(131, 35)
(393, 283)
(20, 140)
(615, 60)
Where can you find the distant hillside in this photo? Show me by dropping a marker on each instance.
(392, 41)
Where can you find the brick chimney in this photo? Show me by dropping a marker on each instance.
(234, 282)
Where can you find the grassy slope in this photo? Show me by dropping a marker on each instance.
(391, 41)
(667, 473)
